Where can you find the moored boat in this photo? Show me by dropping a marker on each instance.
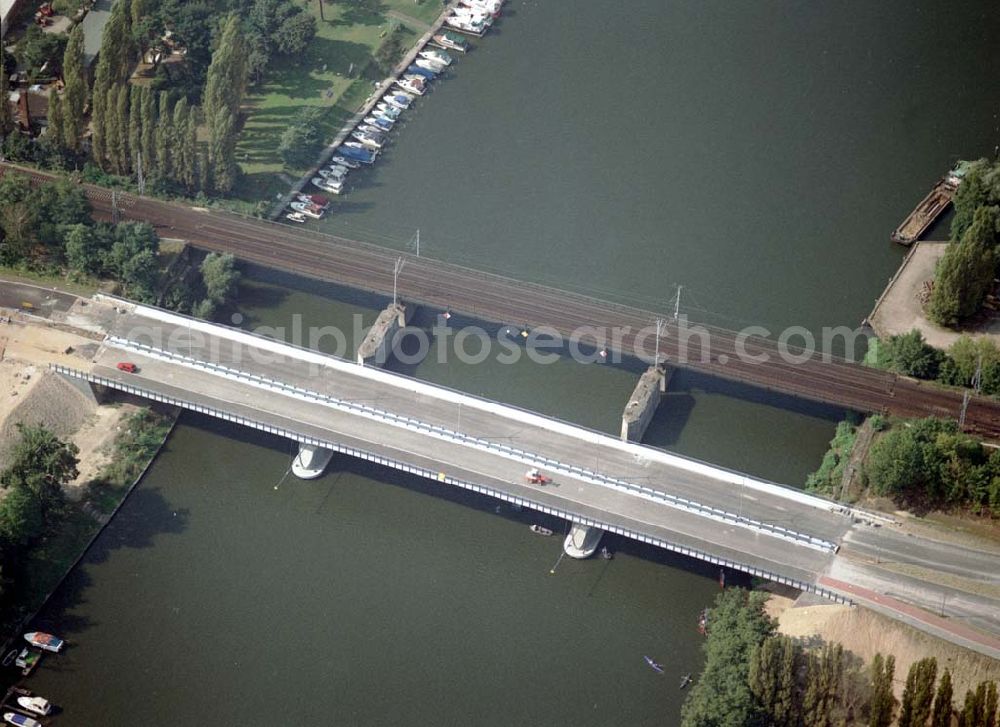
(540, 530)
(399, 100)
(27, 659)
(387, 110)
(44, 641)
(369, 139)
(21, 720)
(428, 65)
(297, 217)
(436, 55)
(307, 209)
(357, 152)
(35, 704)
(411, 85)
(493, 7)
(380, 122)
(475, 15)
(345, 162)
(424, 72)
(315, 199)
(451, 41)
(466, 24)
(328, 185)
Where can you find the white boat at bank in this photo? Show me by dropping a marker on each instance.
(307, 209)
(437, 56)
(35, 705)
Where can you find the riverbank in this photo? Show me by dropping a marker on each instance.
(332, 74)
(866, 633)
(900, 310)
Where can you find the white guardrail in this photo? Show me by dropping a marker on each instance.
(490, 446)
(442, 477)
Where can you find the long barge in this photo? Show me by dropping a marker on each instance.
(930, 208)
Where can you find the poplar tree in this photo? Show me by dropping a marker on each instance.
(98, 126)
(124, 151)
(75, 90)
(148, 114)
(772, 680)
(224, 90)
(183, 164)
(56, 121)
(941, 714)
(134, 124)
(6, 117)
(990, 705)
(918, 693)
(112, 68)
(164, 137)
(882, 701)
(112, 140)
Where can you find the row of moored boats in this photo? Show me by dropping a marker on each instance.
(22, 706)
(367, 140)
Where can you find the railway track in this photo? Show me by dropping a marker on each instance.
(503, 300)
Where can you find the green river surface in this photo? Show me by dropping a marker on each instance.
(758, 154)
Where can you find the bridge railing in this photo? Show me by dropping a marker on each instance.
(443, 477)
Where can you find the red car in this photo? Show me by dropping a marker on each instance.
(129, 368)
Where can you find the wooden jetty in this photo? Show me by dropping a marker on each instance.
(930, 208)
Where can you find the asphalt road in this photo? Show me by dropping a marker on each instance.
(495, 298)
(42, 301)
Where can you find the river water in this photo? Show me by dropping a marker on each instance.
(756, 153)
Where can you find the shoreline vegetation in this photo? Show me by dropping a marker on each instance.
(44, 531)
(756, 675)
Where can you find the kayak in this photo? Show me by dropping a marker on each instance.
(653, 665)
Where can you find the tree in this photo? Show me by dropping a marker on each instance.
(941, 714)
(56, 125)
(882, 701)
(966, 271)
(42, 465)
(722, 695)
(112, 140)
(295, 33)
(224, 90)
(772, 680)
(6, 116)
(909, 354)
(147, 113)
(18, 218)
(83, 253)
(21, 518)
(895, 463)
(220, 276)
(971, 194)
(135, 125)
(183, 161)
(300, 141)
(918, 694)
(164, 137)
(990, 704)
(38, 49)
(124, 152)
(76, 90)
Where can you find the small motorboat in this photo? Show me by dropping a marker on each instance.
(451, 41)
(428, 74)
(333, 174)
(380, 122)
(345, 162)
(27, 659)
(35, 704)
(466, 24)
(606, 554)
(492, 7)
(428, 65)
(473, 15)
(411, 85)
(685, 680)
(373, 130)
(357, 152)
(44, 641)
(328, 185)
(368, 139)
(308, 210)
(399, 100)
(315, 199)
(388, 110)
(437, 56)
(540, 530)
(21, 720)
(653, 665)
(296, 217)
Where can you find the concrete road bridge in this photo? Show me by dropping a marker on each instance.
(597, 481)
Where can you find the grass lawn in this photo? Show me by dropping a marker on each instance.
(330, 74)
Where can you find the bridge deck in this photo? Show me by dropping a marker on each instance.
(493, 450)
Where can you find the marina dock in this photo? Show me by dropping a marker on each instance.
(930, 208)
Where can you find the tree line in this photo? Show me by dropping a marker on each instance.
(967, 362)
(966, 273)
(754, 677)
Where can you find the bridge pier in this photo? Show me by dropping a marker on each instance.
(311, 461)
(375, 349)
(643, 402)
(582, 541)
